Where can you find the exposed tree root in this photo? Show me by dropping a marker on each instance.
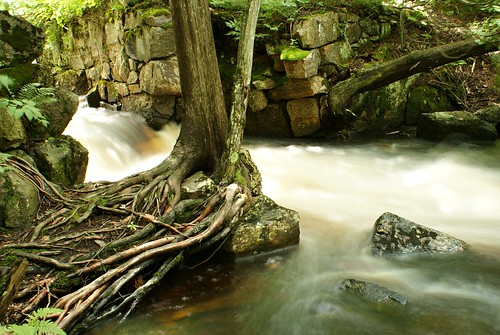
(95, 241)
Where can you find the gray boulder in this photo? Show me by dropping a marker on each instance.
(266, 226)
(459, 124)
(394, 235)
(19, 200)
(62, 160)
(20, 41)
(59, 113)
(373, 292)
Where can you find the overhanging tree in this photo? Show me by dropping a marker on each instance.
(167, 225)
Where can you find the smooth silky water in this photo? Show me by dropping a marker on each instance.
(339, 191)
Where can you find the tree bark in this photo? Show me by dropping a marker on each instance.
(205, 123)
(400, 68)
(241, 91)
(15, 277)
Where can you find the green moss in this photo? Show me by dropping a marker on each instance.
(8, 259)
(63, 282)
(293, 53)
(240, 179)
(155, 12)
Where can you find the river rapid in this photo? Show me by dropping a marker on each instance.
(339, 191)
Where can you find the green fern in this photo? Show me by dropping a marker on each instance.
(24, 102)
(36, 324)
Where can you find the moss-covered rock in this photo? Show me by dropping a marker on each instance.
(460, 125)
(426, 99)
(58, 113)
(20, 41)
(266, 226)
(19, 201)
(62, 160)
(382, 109)
(12, 133)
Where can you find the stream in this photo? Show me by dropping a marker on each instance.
(339, 191)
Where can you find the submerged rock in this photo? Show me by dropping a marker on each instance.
(373, 292)
(393, 234)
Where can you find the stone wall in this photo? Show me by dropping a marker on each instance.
(130, 60)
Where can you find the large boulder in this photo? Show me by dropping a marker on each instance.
(394, 235)
(62, 160)
(266, 226)
(425, 99)
(20, 41)
(19, 200)
(459, 124)
(59, 113)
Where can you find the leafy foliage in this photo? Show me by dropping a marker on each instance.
(3, 160)
(24, 102)
(36, 324)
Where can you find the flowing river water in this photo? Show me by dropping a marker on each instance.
(339, 191)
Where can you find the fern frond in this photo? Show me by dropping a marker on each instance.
(36, 93)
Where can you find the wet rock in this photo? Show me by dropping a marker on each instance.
(458, 124)
(19, 200)
(394, 235)
(266, 226)
(20, 41)
(373, 292)
(61, 160)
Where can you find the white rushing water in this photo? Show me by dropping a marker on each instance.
(339, 192)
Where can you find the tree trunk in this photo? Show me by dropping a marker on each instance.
(241, 91)
(140, 227)
(205, 123)
(400, 68)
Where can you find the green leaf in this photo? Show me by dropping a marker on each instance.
(11, 110)
(22, 329)
(5, 81)
(19, 113)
